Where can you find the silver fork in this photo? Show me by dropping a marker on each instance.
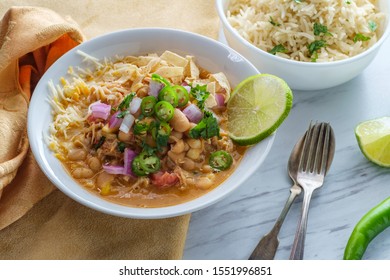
(318, 149)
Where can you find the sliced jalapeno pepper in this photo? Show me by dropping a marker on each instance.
(182, 94)
(141, 127)
(145, 164)
(137, 168)
(168, 94)
(164, 111)
(158, 78)
(161, 129)
(371, 224)
(160, 133)
(220, 160)
(147, 105)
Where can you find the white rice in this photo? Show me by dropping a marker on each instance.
(293, 26)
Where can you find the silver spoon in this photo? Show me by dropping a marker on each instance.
(266, 248)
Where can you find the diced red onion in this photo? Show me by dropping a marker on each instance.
(193, 113)
(100, 110)
(114, 121)
(129, 156)
(154, 88)
(184, 83)
(113, 169)
(135, 105)
(188, 88)
(127, 123)
(220, 99)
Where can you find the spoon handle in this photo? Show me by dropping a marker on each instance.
(266, 248)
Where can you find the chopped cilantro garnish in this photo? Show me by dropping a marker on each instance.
(348, 2)
(279, 48)
(318, 28)
(122, 114)
(206, 128)
(360, 37)
(149, 150)
(271, 20)
(126, 101)
(99, 143)
(200, 93)
(372, 25)
(314, 57)
(316, 45)
(121, 147)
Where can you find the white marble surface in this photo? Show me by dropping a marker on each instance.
(231, 229)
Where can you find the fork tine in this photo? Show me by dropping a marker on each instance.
(313, 144)
(325, 152)
(319, 150)
(306, 145)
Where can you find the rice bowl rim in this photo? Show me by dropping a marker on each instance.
(386, 32)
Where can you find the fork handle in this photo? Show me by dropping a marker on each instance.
(299, 241)
(267, 246)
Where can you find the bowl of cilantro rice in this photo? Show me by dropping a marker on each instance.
(311, 44)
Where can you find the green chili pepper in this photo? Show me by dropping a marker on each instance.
(147, 105)
(141, 127)
(145, 164)
(182, 95)
(220, 160)
(164, 111)
(371, 224)
(160, 132)
(168, 94)
(158, 78)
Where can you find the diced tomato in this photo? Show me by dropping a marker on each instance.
(163, 180)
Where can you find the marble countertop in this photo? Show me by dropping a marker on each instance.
(232, 228)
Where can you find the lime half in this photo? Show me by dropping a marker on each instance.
(257, 107)
(373, 138)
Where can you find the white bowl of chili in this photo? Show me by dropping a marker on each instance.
(312, 46)
(44, 132)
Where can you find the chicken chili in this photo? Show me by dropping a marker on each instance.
(146, 131)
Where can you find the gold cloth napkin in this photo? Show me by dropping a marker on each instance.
(56, 227)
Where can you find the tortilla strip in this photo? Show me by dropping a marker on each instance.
(169, 72)
(174, 59)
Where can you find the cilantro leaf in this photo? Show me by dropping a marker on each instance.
(99, 143)
(148, 149)
(122, 114)
(279, 48)
(271, 20)
(316, 45)
(126, 101)
(360, 37)
(206, 128)
(372, 25)
(121, 147)
(318, 28)
(200, 93)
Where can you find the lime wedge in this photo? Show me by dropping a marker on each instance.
(257, 107)
(373, 137)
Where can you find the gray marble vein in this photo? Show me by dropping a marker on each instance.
(231, 228)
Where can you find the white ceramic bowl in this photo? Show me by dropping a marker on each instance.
(302, 75)
(209, 54)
